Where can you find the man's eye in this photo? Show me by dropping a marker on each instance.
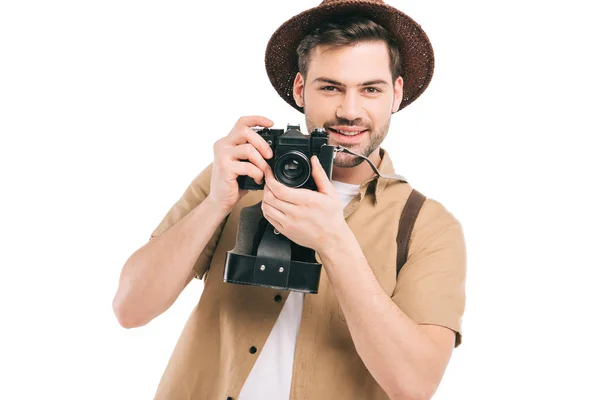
(329, 88)
(372, 90)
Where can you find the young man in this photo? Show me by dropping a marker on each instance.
(367, 334)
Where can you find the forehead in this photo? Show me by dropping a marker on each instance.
(359, 62)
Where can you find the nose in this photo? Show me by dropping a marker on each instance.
(350, 107)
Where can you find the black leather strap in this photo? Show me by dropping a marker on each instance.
(407, 222)
(273, 257)
(262, 257)
(303, 276)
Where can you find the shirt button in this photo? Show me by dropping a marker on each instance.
(252, 350)
(278, 299)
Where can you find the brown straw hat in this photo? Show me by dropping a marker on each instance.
(415, 49)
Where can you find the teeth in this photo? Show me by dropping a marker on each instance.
(348, 133)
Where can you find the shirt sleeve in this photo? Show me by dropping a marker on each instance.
(430, 288)
(194, 194)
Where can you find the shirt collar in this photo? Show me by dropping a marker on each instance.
(375, 185)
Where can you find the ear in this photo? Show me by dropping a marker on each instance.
(398, 93)
(299, 90)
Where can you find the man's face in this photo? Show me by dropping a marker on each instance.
(349, 91)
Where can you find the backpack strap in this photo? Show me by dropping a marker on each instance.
(407, 221)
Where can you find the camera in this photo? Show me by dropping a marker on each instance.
(292, 151)
(263, 256)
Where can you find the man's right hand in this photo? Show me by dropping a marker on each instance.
(242, 143)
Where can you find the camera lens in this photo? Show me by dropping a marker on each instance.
(292, 169)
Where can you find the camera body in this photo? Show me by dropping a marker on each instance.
(292, 151)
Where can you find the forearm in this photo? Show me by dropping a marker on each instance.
(154, 275)
(394, 349)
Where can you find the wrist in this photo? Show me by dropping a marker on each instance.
(339, 241)
(217, 207)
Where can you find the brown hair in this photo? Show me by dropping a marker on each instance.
(345, 32)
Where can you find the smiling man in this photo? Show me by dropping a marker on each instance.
(370, 332)
(349, 89)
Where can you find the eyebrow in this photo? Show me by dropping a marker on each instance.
(336, 83)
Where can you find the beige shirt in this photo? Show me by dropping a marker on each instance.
(230, 325)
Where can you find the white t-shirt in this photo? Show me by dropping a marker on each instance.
(271, 376)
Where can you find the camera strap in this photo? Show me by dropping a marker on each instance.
(340, 149)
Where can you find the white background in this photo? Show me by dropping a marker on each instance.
(109, 109)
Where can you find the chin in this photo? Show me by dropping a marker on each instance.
(347, 160)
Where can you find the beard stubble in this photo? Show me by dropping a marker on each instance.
(365, 148)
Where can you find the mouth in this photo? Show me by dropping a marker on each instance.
(347, 136)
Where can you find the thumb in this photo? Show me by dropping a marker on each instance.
(321, 180)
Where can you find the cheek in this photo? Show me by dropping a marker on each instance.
(381, 113)
(318, 108)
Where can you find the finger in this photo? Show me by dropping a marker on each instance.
(282, 192)
(293, 196)
(281, 205)
(242, 133)
(254, 120)
(321, 179)
(248, 152)
(247, 135)
(273, 215)
(248, 169)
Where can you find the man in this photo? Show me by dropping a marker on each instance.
(367, 334)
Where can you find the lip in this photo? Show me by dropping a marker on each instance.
(347, 139)
(349, 128)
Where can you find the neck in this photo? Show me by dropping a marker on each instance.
(360, 173)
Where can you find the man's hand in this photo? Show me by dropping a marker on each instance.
(309, 218)
(230, 153)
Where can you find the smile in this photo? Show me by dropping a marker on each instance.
(347, 136)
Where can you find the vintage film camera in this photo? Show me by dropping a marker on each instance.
(263, 256)
(292, 151)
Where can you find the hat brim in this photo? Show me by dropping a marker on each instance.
(281, 60)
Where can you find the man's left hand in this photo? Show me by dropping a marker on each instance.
(312, 219)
